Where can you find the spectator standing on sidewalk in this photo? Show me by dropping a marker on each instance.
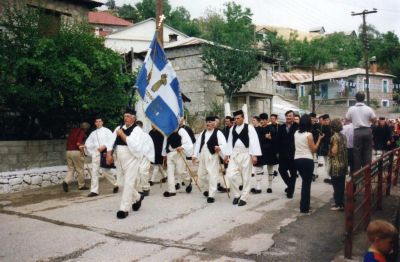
(338, 164)
(361, 116)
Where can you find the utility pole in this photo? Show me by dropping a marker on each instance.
(365, 41)
(313, 91)
(159, 26)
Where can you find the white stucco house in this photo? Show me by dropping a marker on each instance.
(139, 36)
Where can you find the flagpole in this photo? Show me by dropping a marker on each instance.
(159, 22)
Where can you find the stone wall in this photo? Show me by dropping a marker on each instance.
(19, 155)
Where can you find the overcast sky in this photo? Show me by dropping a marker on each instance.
(334, 15)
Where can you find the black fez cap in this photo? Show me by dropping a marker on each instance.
(382, 118)
(239, 112)
(326, 116)
(263, 116)
(275, 115)
(312, 115)
(210, 118)
(130, 111)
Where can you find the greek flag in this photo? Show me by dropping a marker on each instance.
(159, 88)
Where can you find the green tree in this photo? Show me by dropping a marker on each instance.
(53, 82)
(128, 12)
(179, 18)
(232, 59)
(110, 4)
(147, 9)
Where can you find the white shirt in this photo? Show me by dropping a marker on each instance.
(134, 141)
(360, 115)
(220, 137)
(100, 137)
(186, 143)
(254, 143)
(348, 132)
(148, 147)
(302, 149)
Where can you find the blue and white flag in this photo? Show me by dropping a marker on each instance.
(159, 88)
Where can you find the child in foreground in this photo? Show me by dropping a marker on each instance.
(381, 235)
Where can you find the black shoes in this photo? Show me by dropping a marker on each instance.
(205, 193)
(269, 190)
(210, 200)
(189, 188)
(177, 186)
(65, 187)
(242, 203)
(151, 183)
(137, 205)
(221, 189)
(255, 191)
(164, 180)
(168, 194)
(115, 190)
(92, 194)
(145, 193)
(235, 201)
(241, 187)
(84, 188)
(122, 214)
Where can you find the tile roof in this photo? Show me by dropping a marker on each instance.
(290, 77)
(343, 74)
(105, 18)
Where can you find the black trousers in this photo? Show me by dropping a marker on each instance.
(287, 170)
(338, 183)
(350, 159)
(362, 150)
(305, 167)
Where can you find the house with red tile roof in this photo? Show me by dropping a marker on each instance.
(105, 23)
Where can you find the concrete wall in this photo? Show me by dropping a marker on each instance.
(18, 155)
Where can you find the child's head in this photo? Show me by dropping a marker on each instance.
(381, 234)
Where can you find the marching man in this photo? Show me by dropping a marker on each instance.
(242, 150)
(143, 185)
(176, 148)
(100, 140)
(129, 151)
(207, 150)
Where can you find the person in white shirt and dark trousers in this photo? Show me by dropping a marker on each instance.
(361, 116)
(304, 159)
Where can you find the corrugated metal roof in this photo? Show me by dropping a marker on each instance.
(105, 18)
(343, 74)
(290, 77)
(187, 42)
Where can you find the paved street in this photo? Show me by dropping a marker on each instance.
(50, 225)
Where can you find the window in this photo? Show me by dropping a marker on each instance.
(385, 86)
(324, 91)
(385, 103)
(301, 91)
(364, 85)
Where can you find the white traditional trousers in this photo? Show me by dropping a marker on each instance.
(128, 167)
(107, 173)
(175, 164)
(208, 171)
(144, 173)
(239, 173)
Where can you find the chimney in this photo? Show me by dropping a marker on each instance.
(173, 38)
(373, 66)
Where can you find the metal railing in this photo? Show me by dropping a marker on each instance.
(364, 193)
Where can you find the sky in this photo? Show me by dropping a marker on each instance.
(333, 15)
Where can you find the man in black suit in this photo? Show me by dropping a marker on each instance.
(287, 169)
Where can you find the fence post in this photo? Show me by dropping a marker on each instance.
(380, 184)
(396, 169)
(389, 176)
(349, 219)
(367, 195)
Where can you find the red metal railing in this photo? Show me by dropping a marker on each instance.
(364, 193)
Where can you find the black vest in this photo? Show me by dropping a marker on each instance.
(174, 140)
(243, 136)
(212, 141)
(127, 132)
